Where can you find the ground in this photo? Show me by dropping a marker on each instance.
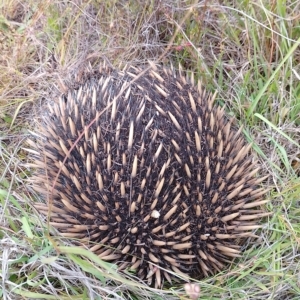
(249, 51)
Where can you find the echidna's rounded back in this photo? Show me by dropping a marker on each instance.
(159, 178)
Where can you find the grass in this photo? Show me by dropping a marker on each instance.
(247, 50)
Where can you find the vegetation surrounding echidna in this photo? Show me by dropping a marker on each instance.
(160, 179)
(247, 51)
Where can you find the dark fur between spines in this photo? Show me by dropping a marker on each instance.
(160, 179)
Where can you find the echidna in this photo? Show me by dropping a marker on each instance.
(160, 180)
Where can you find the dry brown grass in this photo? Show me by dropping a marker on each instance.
(233, 46)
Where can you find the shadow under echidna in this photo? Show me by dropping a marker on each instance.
(159, 180)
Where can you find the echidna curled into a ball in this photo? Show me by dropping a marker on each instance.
(160, 181)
